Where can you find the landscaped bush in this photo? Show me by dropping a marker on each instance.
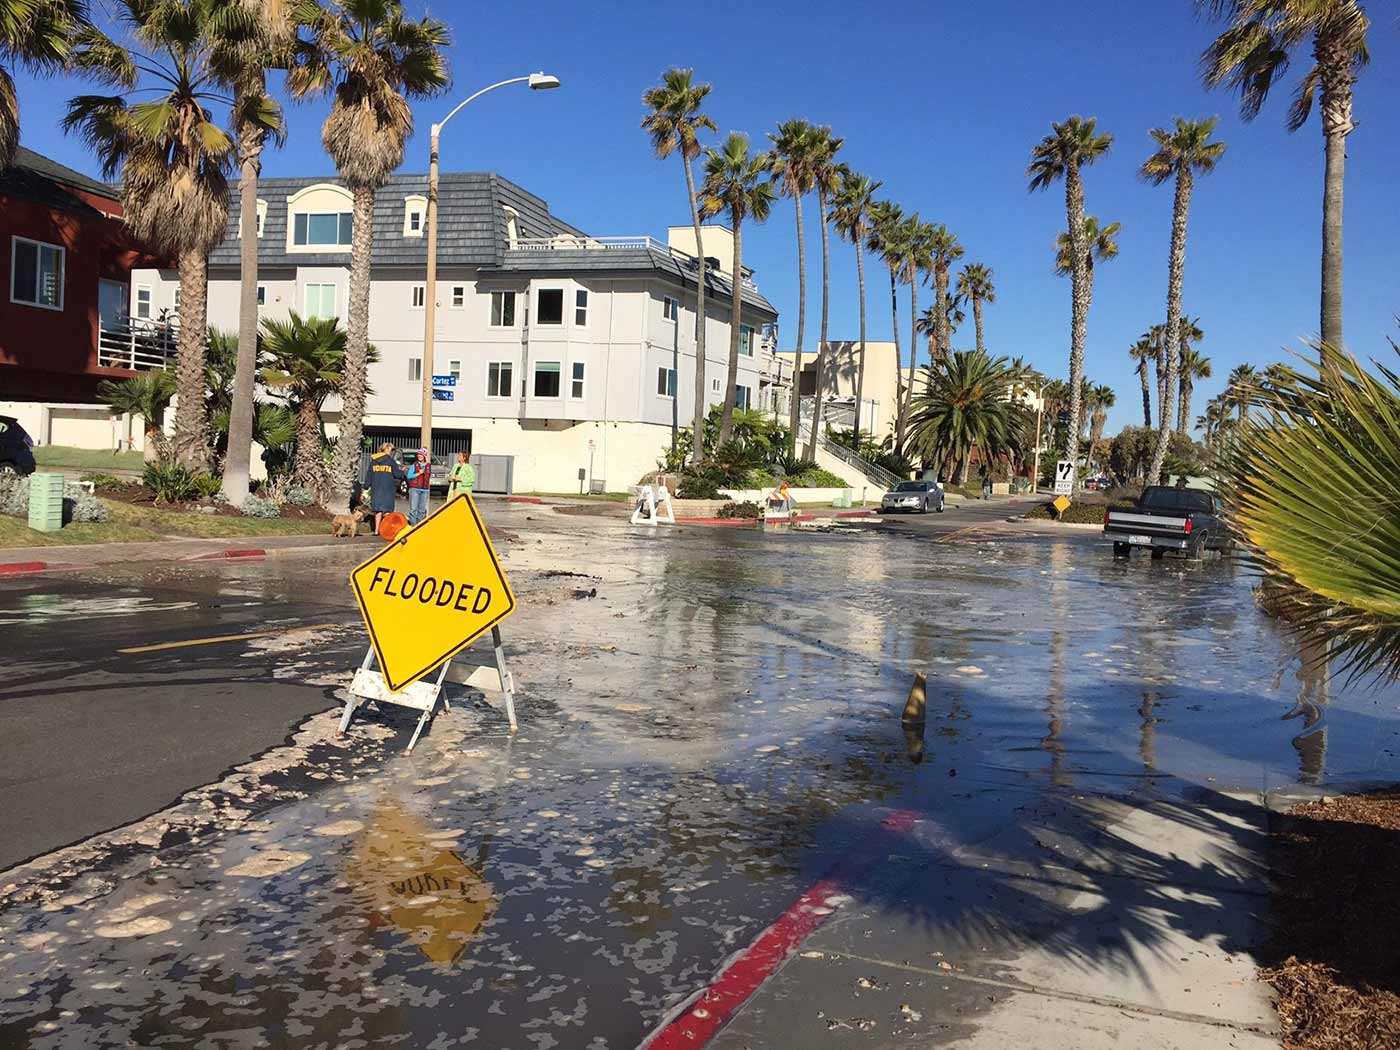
(746, 509)
(818, 478)
(299, 497)
(105, 481)
(207, 485)
(257, 507)
(1083, 511)
(170, 482)
(78, 503)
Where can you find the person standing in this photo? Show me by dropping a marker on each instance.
(986, 483)
(382, 478)
(462, 478)
(420, 480)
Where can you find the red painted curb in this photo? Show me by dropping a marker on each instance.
(710, 1010)
(253, 552)
(523, 499)
(15, 567)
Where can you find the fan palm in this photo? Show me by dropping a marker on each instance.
(1072, 144)
(146, 394)
(735, 184)
(793, 168)
(826, 178)
(1194, 365)
(173, 159)
(943, 246)
(674, 124)
(1253, 52)
(1101, 243)
(928, 325)
(37, 34)
(1101, 399)
(372, 59)
(1183, 151)
(1142, 352)
(966, 404)
(851, 215)
(975, 286)
(886, 240)
(1240, 389)
(917, 263)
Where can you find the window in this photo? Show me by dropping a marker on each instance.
(322, 228)
(454, 369)
(551, 308)
(498, 378)
(741, 397)
(714, 386)
(670, 309)
(547, 379)
(418, 297)
(415, 211)
(746, 340)
(319, 300)
(262, 211)
(415, 369)
(177, 298)
(576, 382)
(503, 309)
(415, 222)
(262, 295)
(666, 381)
(581, 308)
(143, 301)
(459, 296)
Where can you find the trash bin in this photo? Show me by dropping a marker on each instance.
(46, 502)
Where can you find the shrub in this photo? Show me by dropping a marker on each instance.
(78, 503)
(256, 507)
(14, 494)
(105, 481)
(298, 496)
(703, 482)
(1081, 512)
(206, 486)
(170, 482)
(746, 509)
(818, 478)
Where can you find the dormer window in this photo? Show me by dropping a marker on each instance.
(262, 218)
(415, 215)
(322, 228)
(320, 219)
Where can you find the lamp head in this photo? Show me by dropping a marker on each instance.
(543, 81)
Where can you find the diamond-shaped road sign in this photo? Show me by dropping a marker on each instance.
(431, 592)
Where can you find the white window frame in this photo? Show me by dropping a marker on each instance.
(150, 301)
(459, 296)
(415, 204)
(666, 381)
(747, 399)
(715, 388)
(514, 303)
(746, 334)
(320, 246)
(535, 375)
(454, 369)
(415, 370)
(670, 309)
(15, 242)
(418, 297)
(262, 295)
(335, 298)
(176, 299)
(580, 307)
(509, 366)
(539, 293)
(578, 371)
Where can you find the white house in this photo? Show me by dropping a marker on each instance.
(556, 351)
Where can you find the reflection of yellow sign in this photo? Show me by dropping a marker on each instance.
(1061, 504)
(431, 592)
(419, 886)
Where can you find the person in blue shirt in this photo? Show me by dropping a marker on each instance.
(382, 478)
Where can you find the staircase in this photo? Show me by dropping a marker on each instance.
(849, 462)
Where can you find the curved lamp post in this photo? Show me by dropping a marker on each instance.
(537, 82)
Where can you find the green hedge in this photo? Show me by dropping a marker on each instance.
(1080, 512)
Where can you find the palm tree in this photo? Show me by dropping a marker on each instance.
(1072, 144)
(1101, 399)
(242, 57)
(851, 215)
(917, 263)
(967, 404)
(674, 124)
(929, 325)
(1250, 55)
(37, 34)
(146, 394)
(1194, 365)
(826, 177)
(373, 59)
(1240, 389)
(794, 152)
(173, 159)
(886, 240)
(975, 286)
(1182, 151)
(1101, 243)
(1142, 351)
(735, 184)
(943, 246)
(1155, 337)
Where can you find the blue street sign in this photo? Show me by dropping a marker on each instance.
(442, 395)
(444, 380)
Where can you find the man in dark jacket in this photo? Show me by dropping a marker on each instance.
(382, 479)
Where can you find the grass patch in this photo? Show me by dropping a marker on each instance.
(130, 523)
(86, 458)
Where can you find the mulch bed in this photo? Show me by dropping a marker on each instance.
(140, 495)
(1335, 955)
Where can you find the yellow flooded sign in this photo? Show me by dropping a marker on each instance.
(431, 592)
(419, 885)
(1061, 504)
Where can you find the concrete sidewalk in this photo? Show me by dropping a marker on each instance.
(1092, 923)
(93, 555)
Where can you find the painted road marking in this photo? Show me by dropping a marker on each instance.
(710, 1009)
(224, 638)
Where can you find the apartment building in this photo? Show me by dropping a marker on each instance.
(559, 355)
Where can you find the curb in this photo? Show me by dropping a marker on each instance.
(25, 568)
(523, 499)
(759, 521)
(252, 552)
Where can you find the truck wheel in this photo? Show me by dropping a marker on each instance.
(1158, 553)
(1197, 549)
(1122, 550)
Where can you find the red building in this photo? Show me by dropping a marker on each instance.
(66, 268)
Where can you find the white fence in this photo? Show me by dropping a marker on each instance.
(138, 344)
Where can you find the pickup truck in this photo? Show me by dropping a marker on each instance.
(1168, 519)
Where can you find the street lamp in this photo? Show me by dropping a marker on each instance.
(537, 82)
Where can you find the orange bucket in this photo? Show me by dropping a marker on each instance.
(391, 525)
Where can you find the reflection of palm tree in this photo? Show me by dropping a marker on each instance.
(1055, 699)
(1311, 742)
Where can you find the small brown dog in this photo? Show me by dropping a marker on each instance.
(347, 524)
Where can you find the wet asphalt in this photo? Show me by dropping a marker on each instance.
(709, 726)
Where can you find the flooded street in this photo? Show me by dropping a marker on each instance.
(709, 729)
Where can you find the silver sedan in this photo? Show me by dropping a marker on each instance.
(920, 496)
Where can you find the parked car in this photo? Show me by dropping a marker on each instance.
(16, 448)
(921, 496)
(1169, 519)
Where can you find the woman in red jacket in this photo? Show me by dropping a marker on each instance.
(420, 478)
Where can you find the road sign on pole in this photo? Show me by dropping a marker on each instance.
(1064, 477)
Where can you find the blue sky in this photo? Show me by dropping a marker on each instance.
(942, 102)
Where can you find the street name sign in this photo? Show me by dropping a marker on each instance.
(447, 380)
(1064, 477)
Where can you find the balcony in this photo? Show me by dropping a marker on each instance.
(137, 344)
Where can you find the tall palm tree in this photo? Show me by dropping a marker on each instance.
(243, 58)
(1101, 243)
(851, 215)
(1142, 352)
(1182, 151)
(967, 404)
(674, 124)
(146, 394)
(886, 240)
(173, 158)
(793, 169)
(916, 265)
(928, 324)
(943, 246)
(826, 178)
(1072, 144)
(1155, 337)
(1240, 389)
(735, 184)
(975, 286)
(37, 34)
(1251, 54)
(373, 59)
(1101, 399)
(1194, 365)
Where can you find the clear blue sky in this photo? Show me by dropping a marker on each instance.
(942, 102)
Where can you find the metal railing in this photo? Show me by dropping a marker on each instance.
(565, 242)
(138, 344)
(876, 473)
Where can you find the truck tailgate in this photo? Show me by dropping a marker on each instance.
(1137, 523)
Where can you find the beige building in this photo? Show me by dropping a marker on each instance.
(879, 395)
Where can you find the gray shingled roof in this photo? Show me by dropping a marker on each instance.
(52, 169)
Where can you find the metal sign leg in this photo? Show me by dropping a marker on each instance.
(352, 701)
(423, 719)
(507, 682)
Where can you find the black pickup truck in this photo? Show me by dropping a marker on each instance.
(1169, 519)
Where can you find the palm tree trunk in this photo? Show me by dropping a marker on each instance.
(1171, 340)
(726, 419)
(240, 420)
(795, 408)
(1079, 306)
(1183, 416)
(898, 375)
(191, 445)
(860, 369)
(941, 326)
(977, 320)
(1146, 394)
(1336, 126)
(823, 351)
(913, 337)
(356, 381)
(306, 468)
(697, 452)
